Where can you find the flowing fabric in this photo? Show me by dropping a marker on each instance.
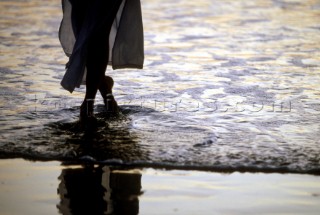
(82, 18)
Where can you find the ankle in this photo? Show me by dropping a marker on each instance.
(86, 107)
(110, 104)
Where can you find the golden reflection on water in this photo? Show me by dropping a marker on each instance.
(49, 188)
(232, 52)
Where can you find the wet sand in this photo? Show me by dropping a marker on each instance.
(229, 85)
(51, 188)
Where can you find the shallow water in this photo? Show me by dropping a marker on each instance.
(227, 85)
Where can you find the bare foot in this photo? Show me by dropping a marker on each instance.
(105, 89)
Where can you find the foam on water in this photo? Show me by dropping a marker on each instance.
(145, 137)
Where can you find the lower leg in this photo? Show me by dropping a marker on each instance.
(106, 86)
(98, 55)
(95, 74)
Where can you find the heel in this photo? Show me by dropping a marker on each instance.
(110, 104)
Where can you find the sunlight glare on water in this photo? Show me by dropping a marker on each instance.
(226, 84)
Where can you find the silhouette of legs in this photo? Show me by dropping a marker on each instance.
(97, 56)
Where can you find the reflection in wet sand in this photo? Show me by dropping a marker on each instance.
(31, 188)
(99, 190)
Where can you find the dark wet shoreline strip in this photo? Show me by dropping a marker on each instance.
(87, 160)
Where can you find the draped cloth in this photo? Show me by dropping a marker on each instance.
(82, 18)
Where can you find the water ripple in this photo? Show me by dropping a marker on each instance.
(227, 85)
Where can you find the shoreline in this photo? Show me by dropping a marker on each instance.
(87, 160)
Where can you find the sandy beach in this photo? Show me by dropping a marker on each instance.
(229, 87)
(43, 188)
